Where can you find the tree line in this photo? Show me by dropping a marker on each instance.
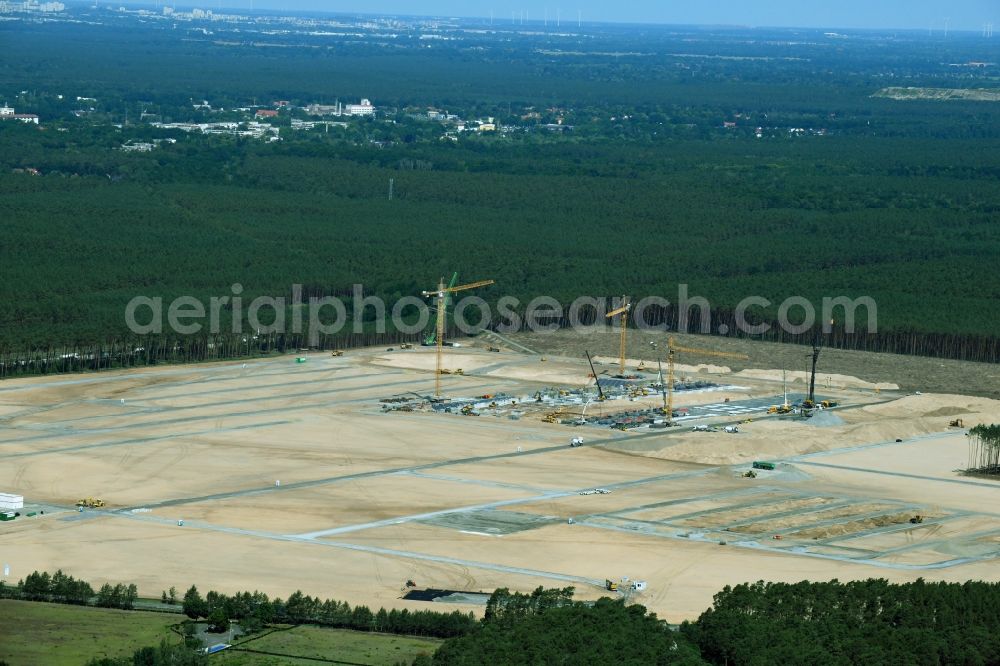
(254, 610)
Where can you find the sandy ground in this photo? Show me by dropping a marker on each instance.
(288, 476)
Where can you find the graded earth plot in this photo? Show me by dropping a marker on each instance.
(570, 469)
(156, 555)
(347, 505)
(280, 475)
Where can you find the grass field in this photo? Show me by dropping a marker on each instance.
(56, 635)
(333, 645)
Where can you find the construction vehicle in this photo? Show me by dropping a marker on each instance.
(410, 583)
(672, 350)
(442, 295)
(406, 345)
(623, 313)
(336, 353)
(917, 519)
(750, 474)
(780, 409)
(769, 466)
(495, 350)
(553, 417)
(576, 442)
(611, 585)
(827, 404)
(732, 430)
(458, 371)
(90, 503)
(957, 423)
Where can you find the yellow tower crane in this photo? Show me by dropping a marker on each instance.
(440, 295)
(672, 350)
(623, 311)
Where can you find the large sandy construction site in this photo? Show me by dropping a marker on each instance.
(336, 476)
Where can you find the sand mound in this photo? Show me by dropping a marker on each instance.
(842, 529)
(948, 411)
(822, 379)
(936, 405)
(826, 420)
(650, 366)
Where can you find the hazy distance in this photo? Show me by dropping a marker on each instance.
(885, 14)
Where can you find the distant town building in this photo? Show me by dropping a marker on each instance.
(7, 113)
(266, 113)
(364, 109)
(32, 6)
(323, 109)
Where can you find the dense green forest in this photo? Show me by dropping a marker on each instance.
(868, 622)
(893, 200)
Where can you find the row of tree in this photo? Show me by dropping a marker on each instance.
(57, 588)
(62, 588)
(254, 610)
(984, 449)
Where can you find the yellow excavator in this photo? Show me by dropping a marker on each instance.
(90, 503)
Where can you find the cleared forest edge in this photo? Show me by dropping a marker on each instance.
(941, 94)
(910, 373)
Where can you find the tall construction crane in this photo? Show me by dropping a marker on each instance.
(672, 350)
(441, 295)
(623, 311)
(810, 402)
(430, 340)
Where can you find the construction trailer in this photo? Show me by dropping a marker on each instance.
(10, 502)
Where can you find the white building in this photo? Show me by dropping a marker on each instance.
(6, 112)
(10, 502)
(364, 109)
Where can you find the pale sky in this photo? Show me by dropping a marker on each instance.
(918, 14)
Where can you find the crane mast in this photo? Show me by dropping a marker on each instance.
(672, 349)
(623, 312)
(441, 296)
